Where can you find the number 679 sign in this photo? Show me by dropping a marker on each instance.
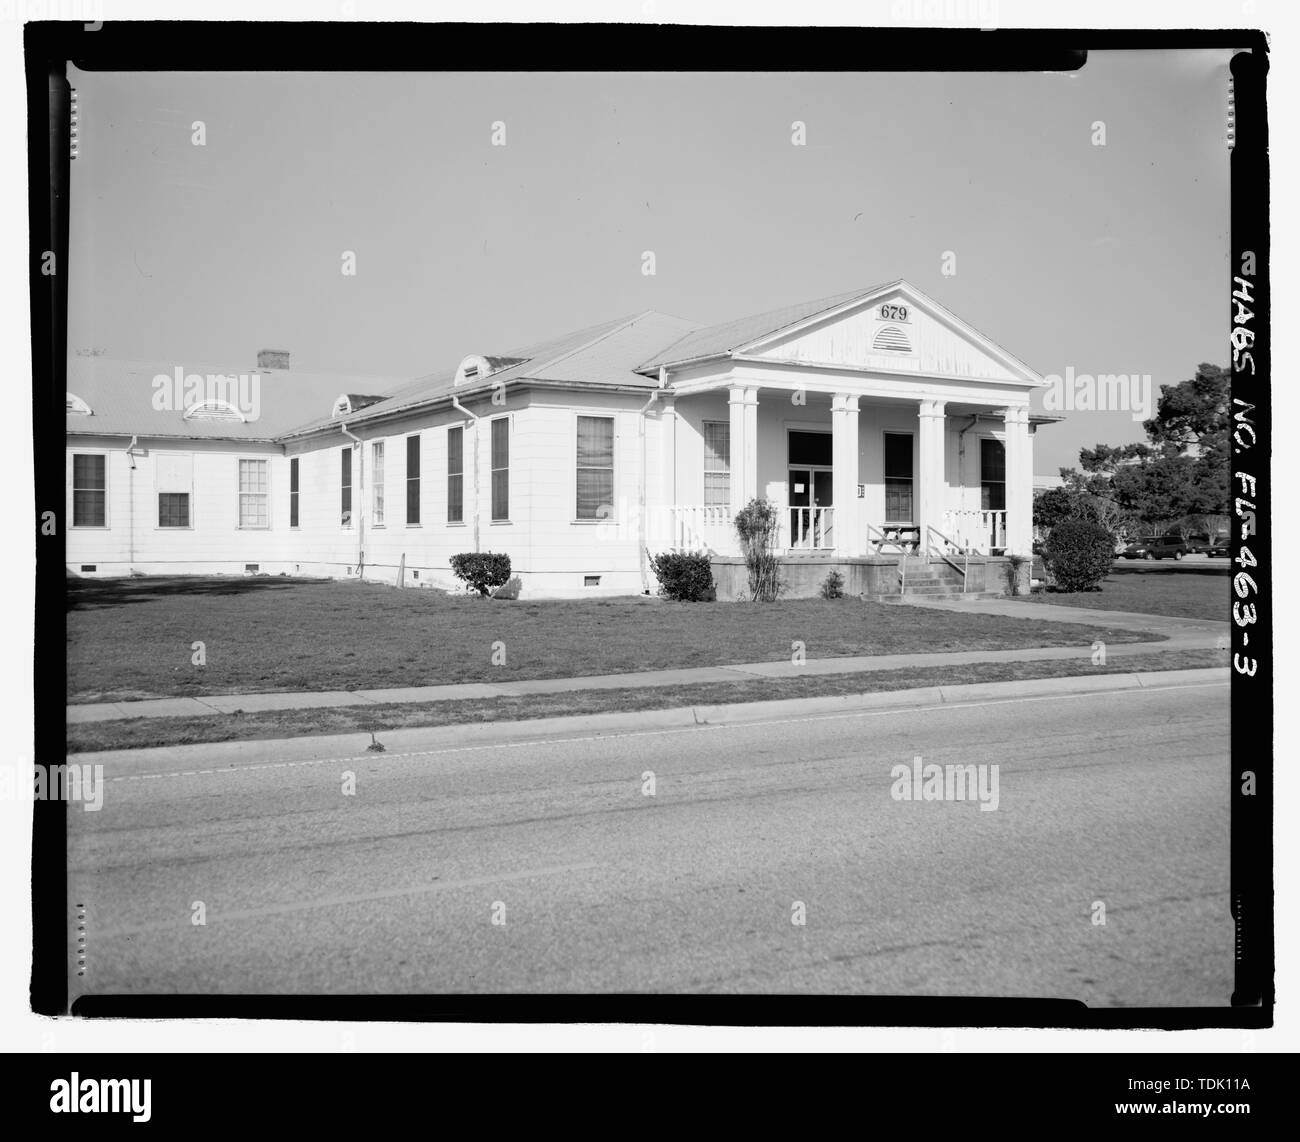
(893, 312)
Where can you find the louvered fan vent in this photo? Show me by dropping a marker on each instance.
(891, 337)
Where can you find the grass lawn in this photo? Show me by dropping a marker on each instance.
(1190, 594)
(141, 733)
(132, 638)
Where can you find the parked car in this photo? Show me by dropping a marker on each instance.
(1219, 546)
(1160, 547)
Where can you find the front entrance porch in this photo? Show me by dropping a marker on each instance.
(853, 475)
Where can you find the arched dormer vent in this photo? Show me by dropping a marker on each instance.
(213, 409)
(476, 367)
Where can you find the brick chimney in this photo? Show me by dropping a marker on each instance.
(273, 358)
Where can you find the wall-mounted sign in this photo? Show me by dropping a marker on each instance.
(893, 312)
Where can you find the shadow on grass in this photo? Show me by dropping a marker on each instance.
(85, 594)
(1168, 567)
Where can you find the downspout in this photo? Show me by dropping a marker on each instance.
(130, 507)
(359, 499)
(455, 403)
(641, 505)
(961, 459)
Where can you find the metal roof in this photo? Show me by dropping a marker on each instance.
(124, 399)
(623, 353)
(718, 340)
(600, 355)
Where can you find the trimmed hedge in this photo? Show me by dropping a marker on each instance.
(1078, 554)
(482, 570)
(683, 576)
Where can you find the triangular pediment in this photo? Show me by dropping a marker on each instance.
(897, 329)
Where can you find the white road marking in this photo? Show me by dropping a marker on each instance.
(698, 727)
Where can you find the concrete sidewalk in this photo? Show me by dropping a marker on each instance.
(1171, 626)
(1180, 634)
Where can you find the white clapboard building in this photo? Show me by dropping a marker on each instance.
(888, 431)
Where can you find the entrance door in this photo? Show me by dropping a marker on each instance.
(810, 489)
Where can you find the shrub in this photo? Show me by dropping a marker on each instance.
(1013, 565)
(685, 577)
(481, 570)
(833, 586)
(1078, 554)
(757, 524)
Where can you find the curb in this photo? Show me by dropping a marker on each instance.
(487, 734)
(950, 695)
(217, 705)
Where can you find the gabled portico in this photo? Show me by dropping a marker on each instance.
(881, 425)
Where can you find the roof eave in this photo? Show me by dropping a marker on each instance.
(428, 404)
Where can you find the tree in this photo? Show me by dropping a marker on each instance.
(1055, 504)
(1076, 500)
(1183, 472)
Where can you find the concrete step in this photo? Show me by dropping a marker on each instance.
(956, 595)
(932, 589)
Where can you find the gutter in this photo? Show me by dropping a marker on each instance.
(359, 499)
(961, 459)
(686, 362)
(434, 403)
(455, 403)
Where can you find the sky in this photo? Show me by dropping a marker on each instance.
(1100, 259)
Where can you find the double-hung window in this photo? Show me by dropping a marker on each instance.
(898, 478)
(345, 487)
(254, 498)
(501, 468)
(89, 490)
(595, 467)
(717, 463)
(412, 479)
(993, 475)
(377, 483)
(456, 474)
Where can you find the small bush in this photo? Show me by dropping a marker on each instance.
(833, 586)
(481, 570)
(1078, 554)
(683, 576)
(757, 524)
(1013, 565)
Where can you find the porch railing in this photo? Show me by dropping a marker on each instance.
(811, 528)
(983, 532)
(701, 528)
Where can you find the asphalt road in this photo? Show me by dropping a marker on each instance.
(1117, 797)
